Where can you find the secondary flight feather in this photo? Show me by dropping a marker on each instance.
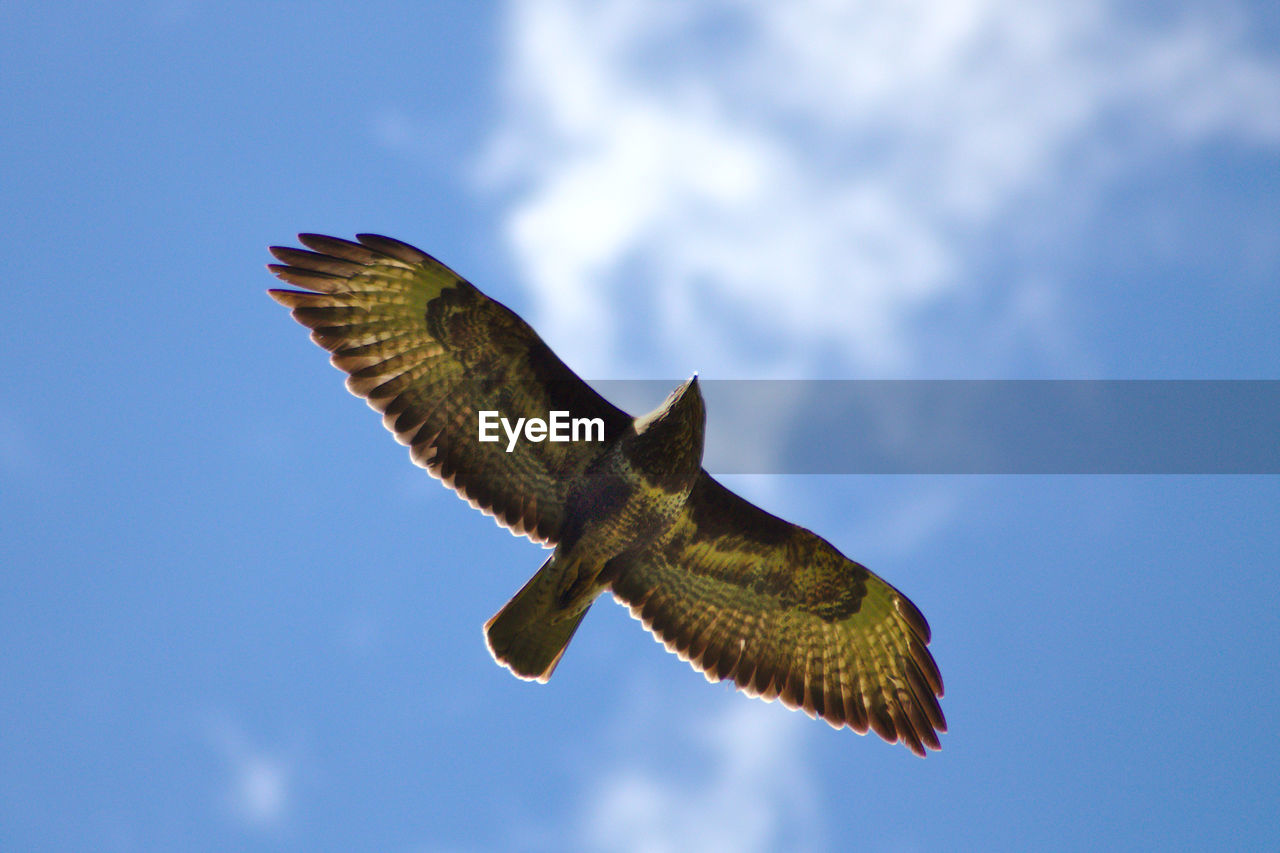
(738, 593)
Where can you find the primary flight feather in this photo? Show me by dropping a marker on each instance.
(737, 592)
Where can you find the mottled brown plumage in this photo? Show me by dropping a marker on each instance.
(737, 592)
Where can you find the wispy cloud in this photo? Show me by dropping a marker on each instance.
(780, 185)
(745, 790)
(258, 785)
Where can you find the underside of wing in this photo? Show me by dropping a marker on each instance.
(430, 352)
(744, 595)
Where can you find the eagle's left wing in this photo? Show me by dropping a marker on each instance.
(742, 594)
(429, 351)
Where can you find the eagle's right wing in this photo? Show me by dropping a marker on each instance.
(428, 350)
(742, 594)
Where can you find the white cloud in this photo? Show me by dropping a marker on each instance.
(819, 173)
(747, 791)
(786, 189)
(259, 783)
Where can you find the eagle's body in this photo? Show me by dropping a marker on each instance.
(737, 592)
(627, 502)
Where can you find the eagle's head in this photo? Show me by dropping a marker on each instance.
(667, 444)
(683, 410)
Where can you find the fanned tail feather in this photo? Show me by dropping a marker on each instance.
(530, 633)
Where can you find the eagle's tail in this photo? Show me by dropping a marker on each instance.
(529, 635)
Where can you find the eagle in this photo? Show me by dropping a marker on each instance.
(737, 592)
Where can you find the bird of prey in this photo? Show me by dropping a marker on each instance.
(737, 592)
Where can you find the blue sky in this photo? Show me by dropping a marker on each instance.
(235, 616)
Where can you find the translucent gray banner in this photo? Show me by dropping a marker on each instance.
(981, 426)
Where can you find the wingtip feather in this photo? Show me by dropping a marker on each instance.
(394, 248)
